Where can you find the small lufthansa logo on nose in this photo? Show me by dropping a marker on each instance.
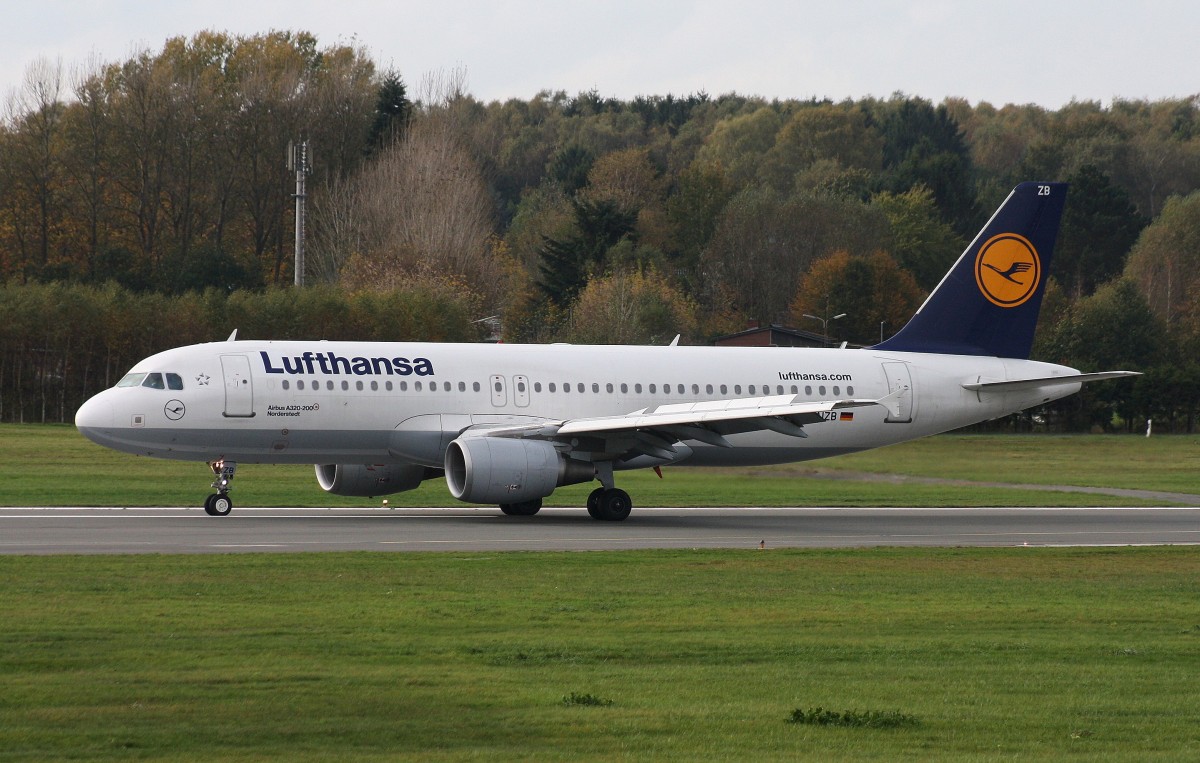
(174, 410)
(1008, 270)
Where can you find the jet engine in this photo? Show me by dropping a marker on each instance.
(369, 480)
(508, 470)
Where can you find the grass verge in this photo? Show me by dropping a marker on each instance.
(47, 465)
(1023, 654)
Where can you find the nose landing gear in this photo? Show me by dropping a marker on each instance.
(219, 504)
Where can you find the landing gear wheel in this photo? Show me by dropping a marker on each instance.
(593, 502)
(522, 509)
(615, 506)
(218, 505)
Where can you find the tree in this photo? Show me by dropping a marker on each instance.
(873, 292)
(630, 307)
(1112, 329)
(1165, 261)
(840, 134)
(922, 243)
(740, 144)
(1099, 226)
(923, 145)
(392, 111)
(567, 264)
(765, 242)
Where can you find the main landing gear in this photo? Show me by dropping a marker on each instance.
(219, 504)
(608, 503)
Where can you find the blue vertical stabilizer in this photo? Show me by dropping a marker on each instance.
(988, 303)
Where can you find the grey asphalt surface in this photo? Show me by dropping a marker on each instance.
(190, 530)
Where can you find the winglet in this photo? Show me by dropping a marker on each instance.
(232, 337)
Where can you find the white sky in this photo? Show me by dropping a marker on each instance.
(1005, 51)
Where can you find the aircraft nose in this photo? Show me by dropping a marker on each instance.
(94, 416)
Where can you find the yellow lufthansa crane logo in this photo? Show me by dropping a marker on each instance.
(1008, 270)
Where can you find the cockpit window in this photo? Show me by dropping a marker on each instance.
(174, 381)
(131, 380)
(154, 381)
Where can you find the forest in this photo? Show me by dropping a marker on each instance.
(147, 203)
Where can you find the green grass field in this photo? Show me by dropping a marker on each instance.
(985, 654)
(994, 654)
(55, 466)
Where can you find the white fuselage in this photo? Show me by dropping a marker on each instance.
(370, 403)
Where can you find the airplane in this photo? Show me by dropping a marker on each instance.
(507, 424)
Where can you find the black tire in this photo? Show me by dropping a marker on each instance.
(593, 502)
(208, 507)
(615, 506)
(522, 509)
(219, 505)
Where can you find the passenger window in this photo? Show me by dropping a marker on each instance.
(462, 386)
(299, 384)
(551, 387)
(595, 388)
(850, 391)
(837, 390)
(751, 389)
(404, 386)
(445, 386)
(374, 386)
(537, 386)
(608, 387)
(681, 389)
(695, 389)
(388, 385)
(821, 390)
(475, 386)
(737, 389)
(795, 390)
(154, 381)
(708, 389)
(624, 388)
(581, 388)
(808, 389)
(329, 385)
(724, 390)
(779, 389)
(638, 388)
(652, 389)
(285, 384)
(346, 385)
(416, 386)
(174, 381)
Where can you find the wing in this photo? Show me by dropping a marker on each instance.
(657, 433)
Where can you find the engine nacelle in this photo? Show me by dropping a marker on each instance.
(508, 470)
(369, 480)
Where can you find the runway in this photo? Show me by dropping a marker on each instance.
(191, 531)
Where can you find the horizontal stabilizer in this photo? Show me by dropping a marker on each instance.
(1045, 381)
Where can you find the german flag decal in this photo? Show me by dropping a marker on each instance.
(846, 416)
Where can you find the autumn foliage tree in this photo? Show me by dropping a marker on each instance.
(874, 292)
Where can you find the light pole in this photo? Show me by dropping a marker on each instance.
(825, 323)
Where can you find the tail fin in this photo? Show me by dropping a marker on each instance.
(988, 303)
